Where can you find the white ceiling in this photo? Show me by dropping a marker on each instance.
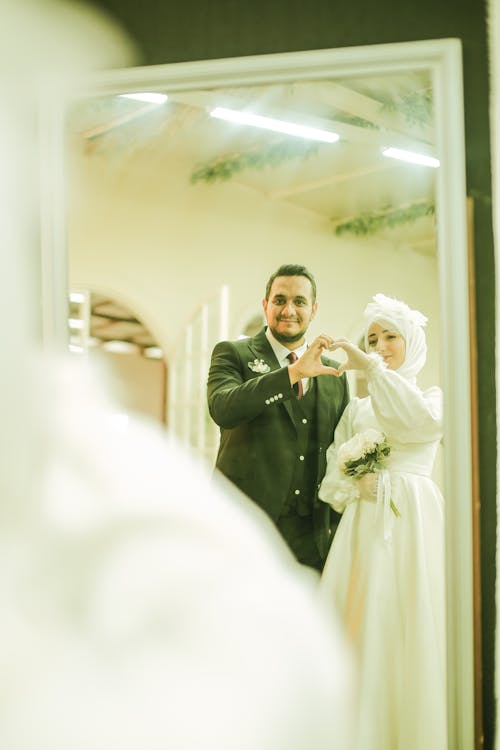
(346, 180)
(338, 181)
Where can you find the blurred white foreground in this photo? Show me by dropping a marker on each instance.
(144, 605)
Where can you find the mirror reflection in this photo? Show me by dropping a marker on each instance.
(181, 206)
(181, 216)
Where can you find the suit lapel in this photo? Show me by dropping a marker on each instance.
(262, 349)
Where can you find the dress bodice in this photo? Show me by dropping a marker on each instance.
(410, 419)
(413, 456)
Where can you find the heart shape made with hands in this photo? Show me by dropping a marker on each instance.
(355, 359)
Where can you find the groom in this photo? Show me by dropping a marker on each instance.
(277, 403)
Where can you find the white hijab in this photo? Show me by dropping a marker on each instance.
(409, 323)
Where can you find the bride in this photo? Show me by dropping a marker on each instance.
(385, 570)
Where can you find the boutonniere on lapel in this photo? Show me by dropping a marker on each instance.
(258, 365)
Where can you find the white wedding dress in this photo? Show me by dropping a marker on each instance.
(385, 572)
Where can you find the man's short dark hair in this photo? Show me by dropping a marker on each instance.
(292, 269)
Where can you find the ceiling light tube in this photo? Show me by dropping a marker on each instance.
(117, 346)
(153, 352)
(268, 123)
(77, 297)
(411, 156)
(146, 97)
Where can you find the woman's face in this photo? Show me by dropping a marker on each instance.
(388, 343)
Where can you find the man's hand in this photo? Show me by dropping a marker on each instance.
(310, 364)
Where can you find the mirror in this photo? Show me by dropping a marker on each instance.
(180, 216)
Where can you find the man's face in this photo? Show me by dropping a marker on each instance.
(290, 308)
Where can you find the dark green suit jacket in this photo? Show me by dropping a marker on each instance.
(258, 443)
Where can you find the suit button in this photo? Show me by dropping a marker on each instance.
(304, 421)
(301, 458)
(297, 492)
(267, 401)
(280, 395)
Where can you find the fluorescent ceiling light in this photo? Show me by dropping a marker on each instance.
(268, 123)
(120, 347)
(411, 156)
(76, 297)
(147, 97)
(153, 352)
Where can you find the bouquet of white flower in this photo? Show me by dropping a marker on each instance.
(365, 453)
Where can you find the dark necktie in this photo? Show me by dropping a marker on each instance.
(297, 387)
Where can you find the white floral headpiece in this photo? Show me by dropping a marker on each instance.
(409, 323)
(394, 310)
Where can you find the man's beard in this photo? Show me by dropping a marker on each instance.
(287, 338)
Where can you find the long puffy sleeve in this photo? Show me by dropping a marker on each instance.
(337, 489)
(404, 412)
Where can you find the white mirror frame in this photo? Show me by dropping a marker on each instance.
(442, 58)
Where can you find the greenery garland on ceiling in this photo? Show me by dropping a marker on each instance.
(416, 107)
(270, 156)
(370, 223)
(358, 122)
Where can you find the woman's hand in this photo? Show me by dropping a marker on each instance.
(356, 358)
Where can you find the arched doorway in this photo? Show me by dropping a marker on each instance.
(123, 348)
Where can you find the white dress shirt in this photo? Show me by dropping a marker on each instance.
(282, 353)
